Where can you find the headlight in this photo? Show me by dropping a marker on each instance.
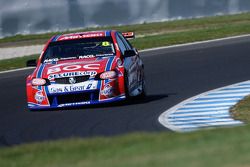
(38, 82)
(108, 75)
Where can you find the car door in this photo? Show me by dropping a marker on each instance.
(131, 64)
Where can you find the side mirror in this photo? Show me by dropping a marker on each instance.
(31, 63)
(129, 53)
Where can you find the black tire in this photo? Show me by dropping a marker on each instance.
(143, 92)
(126, 86)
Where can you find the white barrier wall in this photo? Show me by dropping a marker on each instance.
(34, 16)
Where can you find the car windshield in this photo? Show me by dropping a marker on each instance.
(79, 49)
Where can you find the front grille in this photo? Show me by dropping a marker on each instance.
(66, 80)
(74, 98)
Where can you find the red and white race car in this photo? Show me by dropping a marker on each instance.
(85, 68)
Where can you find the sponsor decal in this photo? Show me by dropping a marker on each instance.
(73, 67)
(107, 91)
(86, 56)
(96, 55)
(51, 60)
(38, 81)
(72, 74)
(69, 89)
(74, 104)
(103, 55)
(79, 36)
(72, 88)
(39, 97)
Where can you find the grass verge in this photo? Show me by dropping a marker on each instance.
(190, 36)
(14, 63)
(169, 27)
(241, 111)
(218, 147)
(151, 34)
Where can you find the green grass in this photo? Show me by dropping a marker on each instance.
(9, 64)
(219, 147)
(217, 22)
(151, 34)
(191, 36)
(241, 111)
(164, 39)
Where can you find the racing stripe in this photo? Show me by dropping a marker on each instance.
(46, 91)
(99, 84)
(55, 38)
(39, 74)
(109, 66)
(99, 58)
(40, 71)
(107, 33)
(109, 63)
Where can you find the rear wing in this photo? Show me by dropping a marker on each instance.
(129, 35)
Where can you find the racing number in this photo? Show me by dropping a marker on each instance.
(105, 44)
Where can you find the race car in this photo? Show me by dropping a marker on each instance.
(85, 68)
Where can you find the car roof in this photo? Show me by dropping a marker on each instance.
(81, 35)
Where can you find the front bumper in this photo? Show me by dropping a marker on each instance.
(33, 106)
(72, 95)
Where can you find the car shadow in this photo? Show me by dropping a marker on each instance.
(132, 101)
(146, 99)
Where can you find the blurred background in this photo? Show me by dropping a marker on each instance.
(37, 16)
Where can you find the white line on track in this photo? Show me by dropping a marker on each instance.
(15, 70)
(200, 113)
(159, 48)
(201, 122)
(227, 95)
(196, 43)
(187, 127)
(233, 91)
(216, 100)
(207, 110)
(184, 118)
(191, 105)
(202, 109)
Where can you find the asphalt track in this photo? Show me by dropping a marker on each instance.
(172, 74)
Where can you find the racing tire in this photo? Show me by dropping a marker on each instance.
(126, 86)
(143, 93)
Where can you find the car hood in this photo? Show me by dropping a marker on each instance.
(76, 67)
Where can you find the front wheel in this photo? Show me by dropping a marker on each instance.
(126, 86)
(143, 93)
